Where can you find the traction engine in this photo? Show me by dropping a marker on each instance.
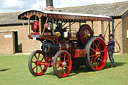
(70, 49)
(62, 47)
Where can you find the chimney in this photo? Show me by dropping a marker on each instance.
(49, 5)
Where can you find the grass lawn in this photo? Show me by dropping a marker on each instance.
(14, 71)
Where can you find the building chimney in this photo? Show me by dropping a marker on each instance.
(49, 5)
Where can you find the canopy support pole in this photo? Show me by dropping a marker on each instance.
(40, 25)
(79, 23)
(113, 28)
(92, 27)
(24, 27)
(70, 26)
(28, 26)
(45, 26)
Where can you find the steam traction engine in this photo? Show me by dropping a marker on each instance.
(63, 48)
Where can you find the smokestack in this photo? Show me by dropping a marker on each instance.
(49, 5)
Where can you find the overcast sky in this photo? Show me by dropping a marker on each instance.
(21, 5)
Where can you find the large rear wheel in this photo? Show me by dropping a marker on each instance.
(96, 54)
(37, 63)
(62, 64)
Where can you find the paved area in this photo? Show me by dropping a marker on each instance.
(22, 53)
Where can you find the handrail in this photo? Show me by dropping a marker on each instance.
(45, 26)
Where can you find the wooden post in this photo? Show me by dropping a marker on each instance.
(40, 25)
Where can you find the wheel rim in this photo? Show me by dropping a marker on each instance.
(63, 64)
(37, 68)
(97, 54)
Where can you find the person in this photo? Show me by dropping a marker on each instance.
(110, 48)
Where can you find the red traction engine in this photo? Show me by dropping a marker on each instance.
(63, 48)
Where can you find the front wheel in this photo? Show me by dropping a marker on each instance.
(62, 64)
(37, 63)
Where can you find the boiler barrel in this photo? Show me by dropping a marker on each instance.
(49, 49)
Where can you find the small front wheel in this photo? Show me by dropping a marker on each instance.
(62, 64)
(37, 63)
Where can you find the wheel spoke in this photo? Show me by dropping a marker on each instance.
(58, 62)
(96, 64)
(61, 70)
(93, 45)
(64, 57)
(66, 61)
(91, 60)
(36, 69)
(98, 44)
(100, 60)
(33, 62)
(67, 66)
(36, 57)
(41, 68)
(57, 67)
(94, 60)
(102, 51)
(92, 56)
(64, 71)
(42, 59)
(93, 50)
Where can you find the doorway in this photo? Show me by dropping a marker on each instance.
(16, 41)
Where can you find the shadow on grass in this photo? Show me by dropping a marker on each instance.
(83, 69)
(2, 70)
(107, 66)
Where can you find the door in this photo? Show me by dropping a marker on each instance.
(16, 41)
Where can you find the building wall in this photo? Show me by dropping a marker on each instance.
(125, 28)
(7, 43)
(26, 45)
(118, 35)
(103, 28)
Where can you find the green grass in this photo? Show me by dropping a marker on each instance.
(14, 71)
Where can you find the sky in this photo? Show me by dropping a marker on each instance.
(22, 5)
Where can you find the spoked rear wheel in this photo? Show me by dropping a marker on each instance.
(96, 54)
(62, 64)
(37, 63)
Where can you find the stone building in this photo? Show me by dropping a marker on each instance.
(13, 37)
